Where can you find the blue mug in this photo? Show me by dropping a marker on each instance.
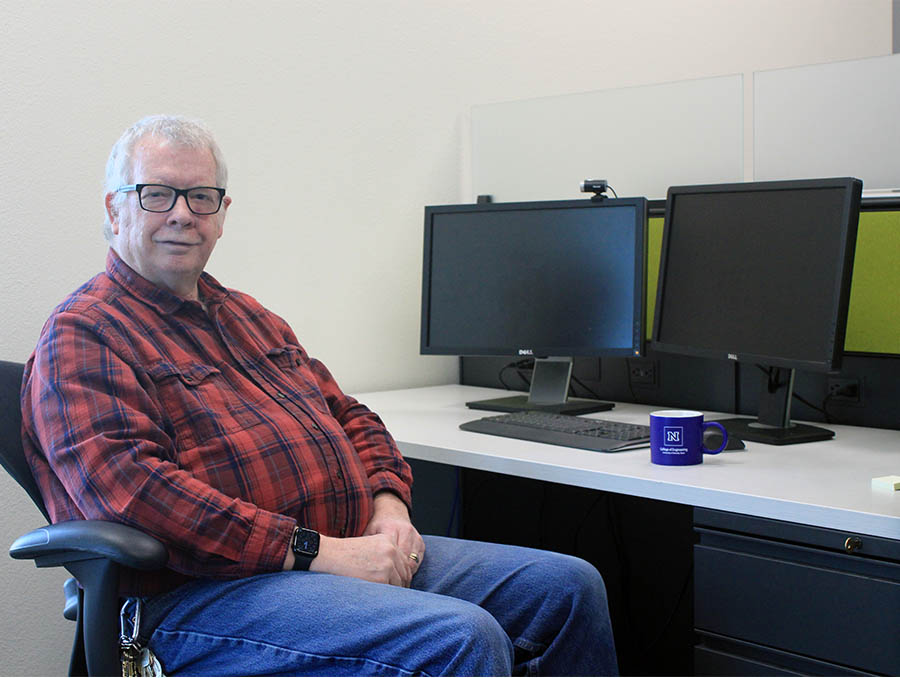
(676, 437)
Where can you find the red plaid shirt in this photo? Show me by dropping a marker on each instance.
(213, 431)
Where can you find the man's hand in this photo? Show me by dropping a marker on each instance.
(373, 558)
(384, 553)
(391, 518)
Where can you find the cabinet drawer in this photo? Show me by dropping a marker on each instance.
(864, 546)
(800, 600)
(719, 656)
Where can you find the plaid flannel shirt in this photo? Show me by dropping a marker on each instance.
(211, 430)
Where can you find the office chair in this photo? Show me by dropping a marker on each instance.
(91, 550)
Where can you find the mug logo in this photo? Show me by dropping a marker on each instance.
(673, 434)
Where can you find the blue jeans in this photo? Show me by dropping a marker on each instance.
(473, 609)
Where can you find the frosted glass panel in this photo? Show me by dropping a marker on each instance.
(838, 119)
(640, 139)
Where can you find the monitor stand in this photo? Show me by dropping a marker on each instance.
(774, 425)
(549, 391)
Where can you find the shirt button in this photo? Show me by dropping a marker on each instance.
(280, 395)
(343, 532)
(339, 474)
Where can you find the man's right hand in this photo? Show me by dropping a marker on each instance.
(373, 558)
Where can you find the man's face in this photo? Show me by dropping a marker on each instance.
(170, 248)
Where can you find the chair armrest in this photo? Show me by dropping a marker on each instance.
(75, 540)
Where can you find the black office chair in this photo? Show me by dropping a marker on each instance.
(92, 550)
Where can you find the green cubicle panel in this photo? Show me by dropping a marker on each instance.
(873, 321)
(654, 248)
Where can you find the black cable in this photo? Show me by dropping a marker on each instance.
(810, 405)
(592, 392)
(521, 370)
(624, 572)
(518, 365)
(584, 386)
(825, 408)
(772, 376)
(613, 190)
(457, 492)
(634, 397)
(665, 627)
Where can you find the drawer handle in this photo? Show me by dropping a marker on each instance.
(852, 544)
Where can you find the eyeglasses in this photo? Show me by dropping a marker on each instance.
(161, 198)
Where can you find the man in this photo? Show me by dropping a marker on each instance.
(162, 400)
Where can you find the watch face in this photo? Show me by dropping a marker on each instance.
(307, 542)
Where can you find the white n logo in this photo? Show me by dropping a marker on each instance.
(673, 434)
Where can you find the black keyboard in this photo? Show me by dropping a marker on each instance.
(599, 435)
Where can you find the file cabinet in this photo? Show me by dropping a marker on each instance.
(776, 598)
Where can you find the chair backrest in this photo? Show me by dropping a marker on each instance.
(12, 456)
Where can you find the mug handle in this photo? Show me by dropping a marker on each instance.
(724, 437)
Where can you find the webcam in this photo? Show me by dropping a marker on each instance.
(596, 186)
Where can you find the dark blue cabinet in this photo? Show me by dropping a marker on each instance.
(775, 598)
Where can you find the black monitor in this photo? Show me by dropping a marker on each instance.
(553, 280)
(760, 273)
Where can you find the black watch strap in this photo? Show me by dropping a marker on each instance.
(305, 545)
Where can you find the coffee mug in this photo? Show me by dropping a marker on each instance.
(676, 437)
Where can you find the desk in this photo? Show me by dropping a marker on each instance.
(824, 484)
(774, 590)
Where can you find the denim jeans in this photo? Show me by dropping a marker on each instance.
(473, 609)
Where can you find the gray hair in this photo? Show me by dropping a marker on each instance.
(177, 130)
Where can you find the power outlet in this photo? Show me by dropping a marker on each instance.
(844, 389)
(642, 371)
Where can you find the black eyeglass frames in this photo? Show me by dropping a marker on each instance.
(201, 200)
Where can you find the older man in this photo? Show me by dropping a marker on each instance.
(158, 398)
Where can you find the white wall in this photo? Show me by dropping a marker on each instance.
(340, 121)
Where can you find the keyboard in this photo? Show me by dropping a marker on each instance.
(599, 435)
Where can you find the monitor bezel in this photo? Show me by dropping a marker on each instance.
(640, 291)
(830, 360)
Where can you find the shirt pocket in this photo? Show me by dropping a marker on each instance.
(289, 360)
(195, 399)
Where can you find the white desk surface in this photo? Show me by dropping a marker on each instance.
(825, 484)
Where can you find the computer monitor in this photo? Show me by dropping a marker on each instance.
(553, 280)
(760, 273)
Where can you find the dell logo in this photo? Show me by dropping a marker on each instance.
(526, 351)
(732, 356)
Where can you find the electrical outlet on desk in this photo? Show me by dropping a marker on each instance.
(643, 372)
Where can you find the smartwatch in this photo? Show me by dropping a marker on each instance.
(305, 546)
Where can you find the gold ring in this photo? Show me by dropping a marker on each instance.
(414, 556)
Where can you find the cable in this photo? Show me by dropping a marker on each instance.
(584, 386)
(803, 400)
(457, 492)
(665, 627)
(624, 573)
(518, 365)
(634, 397)
(774, 383)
